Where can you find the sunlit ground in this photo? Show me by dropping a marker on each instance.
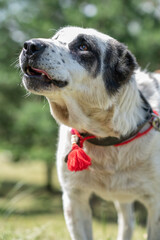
(29, 212)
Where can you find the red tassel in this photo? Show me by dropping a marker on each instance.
(78, 160)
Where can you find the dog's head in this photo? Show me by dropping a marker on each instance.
(79, 71)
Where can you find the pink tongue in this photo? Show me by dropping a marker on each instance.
(41, 71)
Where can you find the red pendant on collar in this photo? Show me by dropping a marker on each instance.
(78, 160)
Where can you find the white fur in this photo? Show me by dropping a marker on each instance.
(122, 174)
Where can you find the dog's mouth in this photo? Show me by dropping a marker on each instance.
(35, 74)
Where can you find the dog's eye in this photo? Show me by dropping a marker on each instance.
(83, 47)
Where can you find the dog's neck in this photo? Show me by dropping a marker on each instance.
(130, 110)
(123, 117)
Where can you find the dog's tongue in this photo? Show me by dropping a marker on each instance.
(42, 71)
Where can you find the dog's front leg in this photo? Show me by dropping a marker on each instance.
(154, 222)
(78, 214)
(125, 221)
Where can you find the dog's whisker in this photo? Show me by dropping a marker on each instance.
(27, 95)
(15, 63)
(53, 30)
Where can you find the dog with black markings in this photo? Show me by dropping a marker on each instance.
(94, 86)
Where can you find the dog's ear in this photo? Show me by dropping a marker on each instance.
(118, 66)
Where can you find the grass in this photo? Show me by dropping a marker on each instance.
(47, 227)
(29, 212)
(37, 227)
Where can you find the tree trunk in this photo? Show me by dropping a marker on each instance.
(49, 172)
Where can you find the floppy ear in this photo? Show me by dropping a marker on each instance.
(118, 66)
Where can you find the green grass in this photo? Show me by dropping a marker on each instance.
(37, 227)
(47, 227)
(29, 212)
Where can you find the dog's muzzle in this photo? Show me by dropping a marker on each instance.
(36, 78)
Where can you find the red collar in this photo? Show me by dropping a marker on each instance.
(78, 160)
(113, 141)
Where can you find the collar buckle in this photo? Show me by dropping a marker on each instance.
(155, 121)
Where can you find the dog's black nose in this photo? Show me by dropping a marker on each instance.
(33, 47)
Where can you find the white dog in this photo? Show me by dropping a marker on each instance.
(94, 86)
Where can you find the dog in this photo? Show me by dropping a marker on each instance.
(109, 140)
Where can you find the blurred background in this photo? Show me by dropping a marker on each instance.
(30, 196)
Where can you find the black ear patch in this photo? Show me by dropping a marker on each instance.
(118, 66)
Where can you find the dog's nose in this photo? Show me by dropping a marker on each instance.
(33, 47)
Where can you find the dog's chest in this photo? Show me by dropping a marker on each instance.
(112, 177)
(122, 174)
(112, 183)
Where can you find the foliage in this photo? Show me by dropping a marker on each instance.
(26, 127)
